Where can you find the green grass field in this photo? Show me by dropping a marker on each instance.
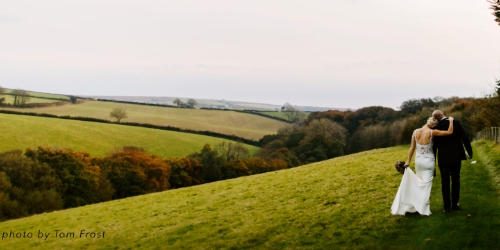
(32, 93)
(10, 99)
(20, 132)
(275, 114)
(343, 203)
(46, 95)
(279, 114)
(226, 122)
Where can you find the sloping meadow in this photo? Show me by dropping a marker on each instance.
(21, 132)
(343, 203)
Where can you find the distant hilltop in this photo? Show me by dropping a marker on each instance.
(212, 103)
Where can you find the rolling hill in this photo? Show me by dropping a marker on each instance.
(342, 203)
(20, 132)
(227, 122)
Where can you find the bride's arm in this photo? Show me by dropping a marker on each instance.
(444, 133)
(412, 150)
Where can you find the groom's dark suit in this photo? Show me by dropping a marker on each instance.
(450, 153)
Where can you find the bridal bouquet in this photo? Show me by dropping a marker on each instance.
(400, 167)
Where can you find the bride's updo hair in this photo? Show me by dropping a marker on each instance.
(432, 122)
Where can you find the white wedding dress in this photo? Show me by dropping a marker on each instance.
(415, 189)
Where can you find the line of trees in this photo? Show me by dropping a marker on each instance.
(190, 103)
(47, 179)
(22, 98)
(328, 134)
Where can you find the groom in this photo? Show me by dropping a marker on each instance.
(450, 153)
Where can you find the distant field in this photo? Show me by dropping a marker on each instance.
(39, 94)
(275, 114)
(48, 95)
(279, 114)
(10, 99)
(343, 203)
(226, 122)
(20, 132)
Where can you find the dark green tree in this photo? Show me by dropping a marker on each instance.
(498, 88)
(191, 102)
(178, 102)
(31, 185)
(80, 180)
(212, 163)
(495, 6)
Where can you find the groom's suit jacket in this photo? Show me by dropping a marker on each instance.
(450, 149)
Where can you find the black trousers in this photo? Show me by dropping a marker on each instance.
(450, 171)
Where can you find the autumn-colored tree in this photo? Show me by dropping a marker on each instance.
(257, 165)
(132, 172)
(333, 115)
(185, 172)
(234, 169)
(118, 114)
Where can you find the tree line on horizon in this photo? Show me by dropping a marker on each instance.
(328, 134)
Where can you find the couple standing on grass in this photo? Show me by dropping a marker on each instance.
(442, 137)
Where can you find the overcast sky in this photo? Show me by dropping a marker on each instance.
(341, 53)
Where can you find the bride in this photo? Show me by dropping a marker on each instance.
(415, 189)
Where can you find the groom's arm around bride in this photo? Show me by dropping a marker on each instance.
(451, 148)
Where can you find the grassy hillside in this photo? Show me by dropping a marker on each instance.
(343, 203)
(20, 132)
(226, 122)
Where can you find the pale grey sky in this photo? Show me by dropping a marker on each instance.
(342, 53)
